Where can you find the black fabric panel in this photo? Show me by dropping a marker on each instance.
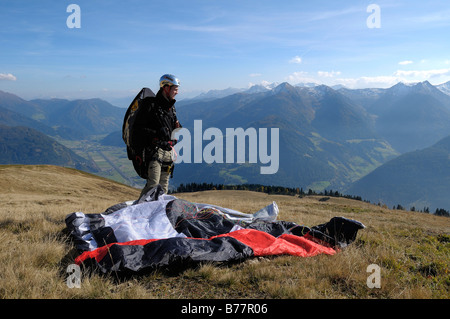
(115, 208)
(102, 235)
(279, 228)
(173, 252)
(73, 222)
(339, 231)
(204, 224)
(152, 195)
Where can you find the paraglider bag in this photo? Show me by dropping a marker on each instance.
(140, 161)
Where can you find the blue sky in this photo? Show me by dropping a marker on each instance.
(123, 46)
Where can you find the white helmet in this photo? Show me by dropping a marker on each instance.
(168, 79)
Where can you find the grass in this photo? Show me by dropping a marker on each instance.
(412, 249)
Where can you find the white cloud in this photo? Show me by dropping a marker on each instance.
(369, 82)
(385, 81)
(405, 62)
(253, 75)
(301, 77)
(380, 81)
(330, 78)
(326, 74)
(7, 77)
(423, 74)
(296, 59)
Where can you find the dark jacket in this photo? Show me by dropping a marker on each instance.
(155, 122)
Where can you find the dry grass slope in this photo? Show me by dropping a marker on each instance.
(412, 249)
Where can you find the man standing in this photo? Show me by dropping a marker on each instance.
(153, 130)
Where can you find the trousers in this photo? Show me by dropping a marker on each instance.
(159, 171)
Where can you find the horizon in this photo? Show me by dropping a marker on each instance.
(110, 49)
(234, 90)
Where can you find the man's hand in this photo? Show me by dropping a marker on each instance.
(167, 145)
(172, 142)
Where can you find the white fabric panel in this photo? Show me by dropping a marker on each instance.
(268, 213)
(147, 220)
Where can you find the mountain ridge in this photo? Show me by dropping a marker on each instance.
(24, 145)
(257, 88)
(319, 128)
(68, 119)
(415, 179)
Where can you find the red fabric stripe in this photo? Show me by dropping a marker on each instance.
(262, 243)
(101, 252)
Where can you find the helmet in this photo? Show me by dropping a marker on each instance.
(168, 79)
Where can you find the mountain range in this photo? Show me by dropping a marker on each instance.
(326, 140)
(25, 145)
(415, 179)
(410, 116)
(420, 105)
(328, 137)
(72, 120)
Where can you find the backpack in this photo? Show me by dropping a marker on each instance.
(136, 155)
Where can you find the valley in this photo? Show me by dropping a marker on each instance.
(112, 161)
